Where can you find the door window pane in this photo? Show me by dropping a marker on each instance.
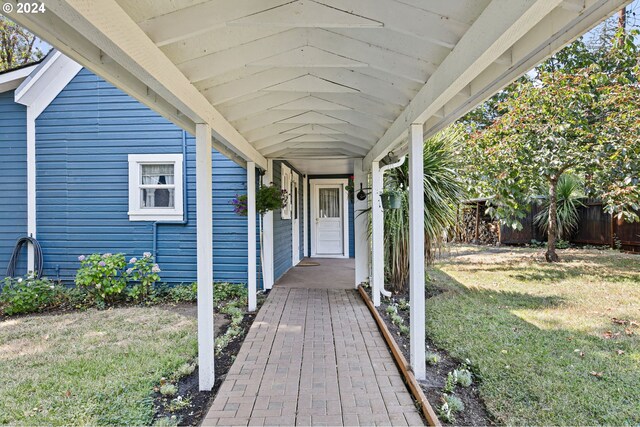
(329, 203)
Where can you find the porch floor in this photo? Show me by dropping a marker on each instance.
(314, 356)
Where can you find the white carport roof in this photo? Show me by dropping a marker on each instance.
(312, 81)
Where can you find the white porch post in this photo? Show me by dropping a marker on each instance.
(305, 215)
(360, 225)
(252, 286)
(204, 231)
(377, 234)
(267, 238)
(416, 251)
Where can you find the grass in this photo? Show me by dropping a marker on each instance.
(542, 336)
(92, 367)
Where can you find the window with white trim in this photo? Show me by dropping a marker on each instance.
(155, 187)
(285, 185)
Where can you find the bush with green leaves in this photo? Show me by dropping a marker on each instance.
(391, 310)
(28, 295)
(463, 377)
(403, 304)
(168, 389)
(404, 330)
(450, 406)
(432, 358)
(103, 276)
(144, 272)
(450, 383)
(224, 292)
(182, 293)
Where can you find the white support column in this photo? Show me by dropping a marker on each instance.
(416, 251)
(377, 234)
(267, 238)
(31, 184)
(305, 215)
(252, 286)
(204, 233)
(361, 235)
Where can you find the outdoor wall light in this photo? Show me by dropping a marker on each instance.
(362, 195)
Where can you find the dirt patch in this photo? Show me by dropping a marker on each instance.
(200, 401)
(475, 412)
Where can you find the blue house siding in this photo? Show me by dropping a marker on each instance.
(13, 176)
(83, 141)
(281, 232)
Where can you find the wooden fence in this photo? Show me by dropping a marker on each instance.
(596, 227)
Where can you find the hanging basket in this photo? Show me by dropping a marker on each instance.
(390, 201)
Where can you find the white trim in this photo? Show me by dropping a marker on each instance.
(38, 87)
(252, 285)
(204, 244)
(12, 79)
(416, 252)
(305, 216)
(377, 234)
(361, 235)
(267, 237)
(345, 215)
(295, 222)
(285, 184)
(31, 185)
(136, 213)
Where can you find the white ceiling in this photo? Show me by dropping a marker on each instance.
(321, 82)
(315, 78)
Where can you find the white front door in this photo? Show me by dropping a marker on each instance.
(329, 220)
(295, 219)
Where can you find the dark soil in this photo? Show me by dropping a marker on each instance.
(200, 401)
(475, 412)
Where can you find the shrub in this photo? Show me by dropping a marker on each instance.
(223, 292)
(145, 273)
(102, 276)
(182, 293)
(432, 358)
(168, 389)
(404, 330)
(454, 402)
(450, 383)
(28, 295)
(397, 320)
(185, 369)
(391, 310)
(463, 377)
(403, 304)
(167, 422)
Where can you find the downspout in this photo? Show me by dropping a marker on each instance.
(185, 194)
(383, 169)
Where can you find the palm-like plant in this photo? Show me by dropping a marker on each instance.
(570, 193)
(443, 191)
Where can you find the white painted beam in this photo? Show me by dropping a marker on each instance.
(31, 185)
(360, 219)
(107, 27)
(501, 24)
(252, 286)
(377, 234)
(267, 237)
(305, 217)
(204, 237)
(416, 252)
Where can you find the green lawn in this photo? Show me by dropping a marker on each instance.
(537, 332)
(92, 367)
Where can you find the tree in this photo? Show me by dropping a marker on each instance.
(17, 45)
(580, 114)
(443, 192)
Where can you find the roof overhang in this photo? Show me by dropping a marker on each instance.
(10, 80)
(314, 81)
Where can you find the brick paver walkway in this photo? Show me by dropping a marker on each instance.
(313, 357)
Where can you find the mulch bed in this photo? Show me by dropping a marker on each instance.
(200, 401)
(475, 412)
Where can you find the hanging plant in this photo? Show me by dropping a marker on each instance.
(270, 198)
(240, 205)
(391, 199)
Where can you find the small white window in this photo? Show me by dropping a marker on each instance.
(155, 187)
(285, 185)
